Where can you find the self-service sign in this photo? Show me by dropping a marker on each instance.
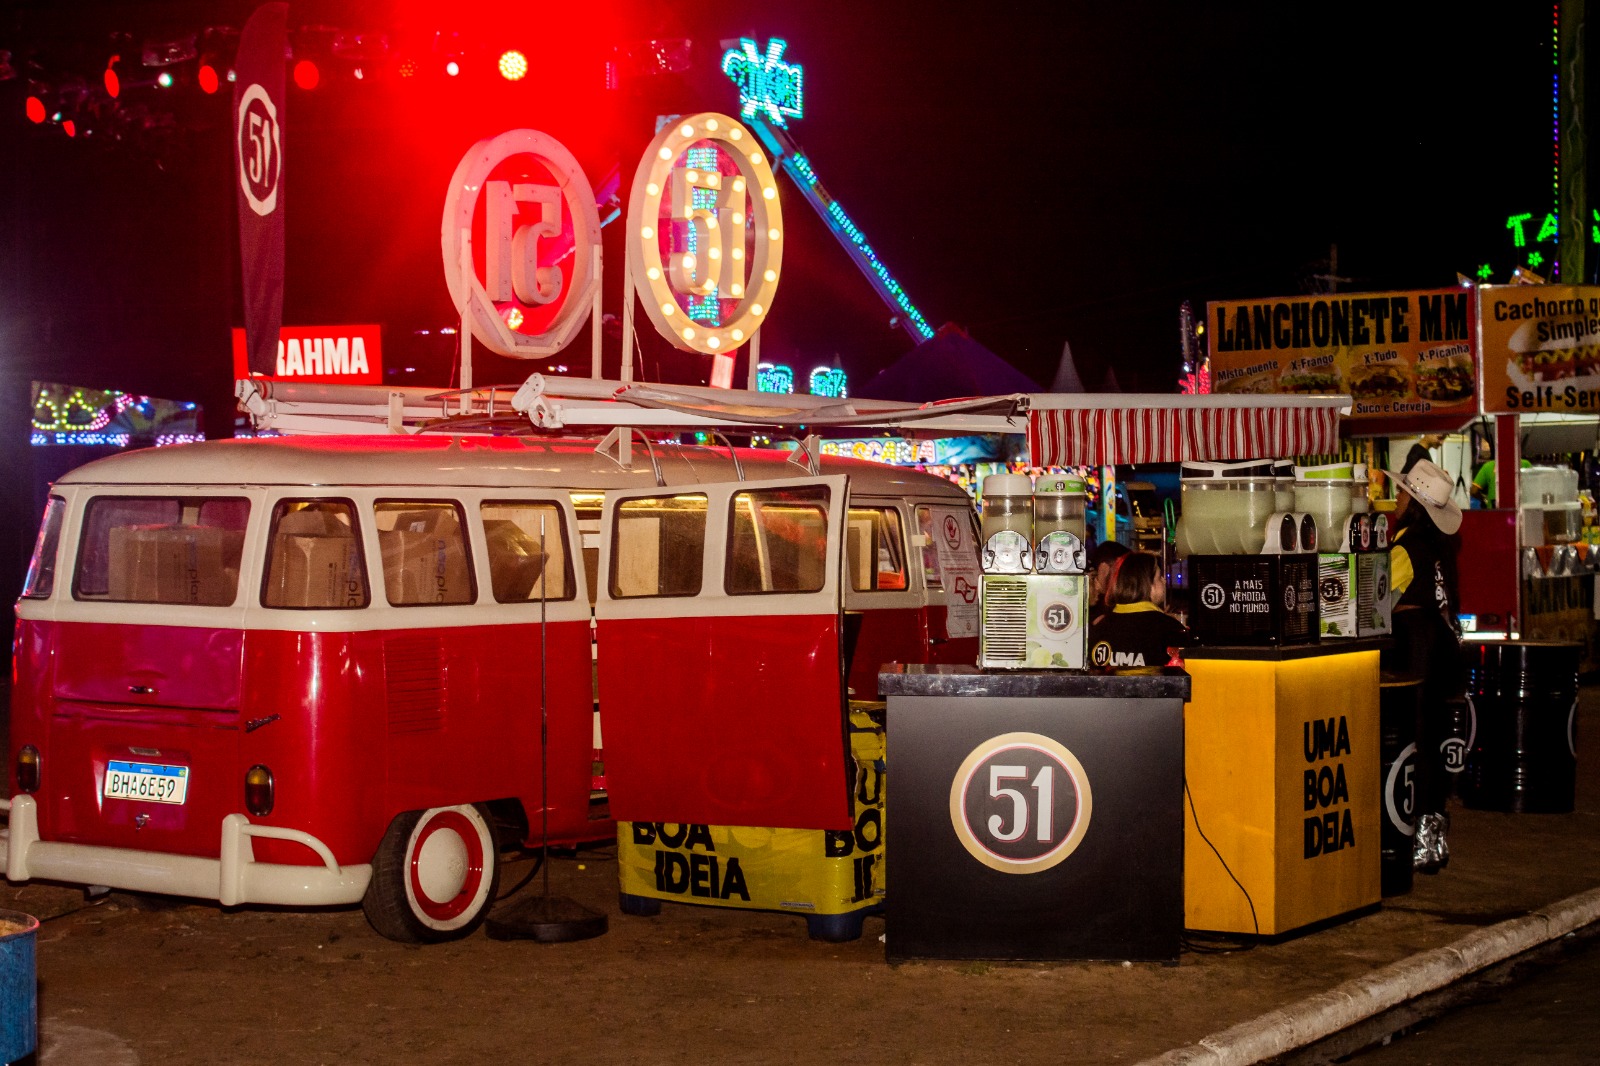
(329, 355)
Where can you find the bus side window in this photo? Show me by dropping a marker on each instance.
(875, 549)
(778, 541)
(519, 572)
(425, 561)
(314, 559)
(658, 547)
(930, 550)
(161, 549)
(41, 580)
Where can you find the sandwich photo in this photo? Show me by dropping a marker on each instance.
(1554, 351)
(1446, 380)
(1251, 380)
(1312, 382)
(1380, 381)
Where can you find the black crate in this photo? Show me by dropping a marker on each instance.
(1253, 599)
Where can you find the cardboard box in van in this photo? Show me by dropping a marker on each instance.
(315, 570)
(424, 559)
(175, 564)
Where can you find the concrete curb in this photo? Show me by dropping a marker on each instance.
(1315, 1017)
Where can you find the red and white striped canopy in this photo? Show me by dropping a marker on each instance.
(1102, 430)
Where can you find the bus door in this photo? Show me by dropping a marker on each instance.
(720, 661)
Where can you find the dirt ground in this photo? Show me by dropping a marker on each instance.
(129, 980)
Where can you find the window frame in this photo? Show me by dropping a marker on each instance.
(466, 548)
(39, 572)
(612, 591)
(897, 520)
(824, 503)
(84, 541)
(568, 580)
(272, 534)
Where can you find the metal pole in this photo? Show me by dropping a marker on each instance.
(599, 317)
(1572, 207)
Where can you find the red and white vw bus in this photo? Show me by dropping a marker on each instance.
(309, 671)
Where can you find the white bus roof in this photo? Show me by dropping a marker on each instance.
(477, 461)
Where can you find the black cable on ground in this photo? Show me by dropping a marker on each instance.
(538, 863)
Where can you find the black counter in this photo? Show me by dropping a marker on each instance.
(1278, 653)
(949, 679)
(1036, 814)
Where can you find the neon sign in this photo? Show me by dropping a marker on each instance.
(770, 378)
(828, 381)
(767, 85)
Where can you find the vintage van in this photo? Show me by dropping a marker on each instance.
(309, 671)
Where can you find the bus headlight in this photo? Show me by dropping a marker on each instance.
(258, 790)
(28, 768)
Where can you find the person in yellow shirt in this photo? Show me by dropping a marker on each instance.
(1134, 635)
(1427, 634)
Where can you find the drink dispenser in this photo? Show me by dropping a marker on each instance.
(1282, 485)
(1225, 507)
(1007, 528)
(1324, 492)
(1059, 529)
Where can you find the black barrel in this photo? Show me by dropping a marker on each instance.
(1399, 724)
(1459, 731)
(1524, 756)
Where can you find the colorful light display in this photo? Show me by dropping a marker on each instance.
(771, 378)
(64, 414)
(828, 381)
(768, 86)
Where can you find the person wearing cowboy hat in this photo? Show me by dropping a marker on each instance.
(1427, 634)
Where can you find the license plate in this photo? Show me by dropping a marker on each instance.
(150, 782)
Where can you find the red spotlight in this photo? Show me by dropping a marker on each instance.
(113, 83)
(513, 65)
(35, 109)
(70, 127)
(306, 74)
(408, 68)
(207, 77)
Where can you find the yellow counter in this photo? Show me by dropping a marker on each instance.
(1282, 768)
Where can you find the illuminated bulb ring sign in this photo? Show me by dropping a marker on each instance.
(512, 250)
(663, 285)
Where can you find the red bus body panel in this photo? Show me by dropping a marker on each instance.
(756, 739)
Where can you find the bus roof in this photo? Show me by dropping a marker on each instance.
(480, 461)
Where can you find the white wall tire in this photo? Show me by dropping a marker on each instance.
(434, 876)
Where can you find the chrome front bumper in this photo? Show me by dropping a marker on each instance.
(233, 879)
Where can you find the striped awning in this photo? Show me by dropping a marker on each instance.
(1087, 430)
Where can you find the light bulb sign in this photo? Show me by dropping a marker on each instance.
(705, 233)
(520, 240)
(768, 87)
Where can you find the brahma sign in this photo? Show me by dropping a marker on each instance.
(328, 355)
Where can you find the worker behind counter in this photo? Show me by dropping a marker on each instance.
(1135, 636)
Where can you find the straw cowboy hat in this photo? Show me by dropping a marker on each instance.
(1430, 486)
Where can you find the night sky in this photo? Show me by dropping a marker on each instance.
(1034, 174)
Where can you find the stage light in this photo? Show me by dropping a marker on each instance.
(359, 75)
(452, 68)
(70, 128)
(513, 65)
(35, 110)
(164, 80)
(113, 82)
(207, 77)
(408, 68)
(306, 74)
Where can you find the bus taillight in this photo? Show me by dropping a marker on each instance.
(28, 769)
(258, 790)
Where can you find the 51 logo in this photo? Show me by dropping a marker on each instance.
(1020, 803)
